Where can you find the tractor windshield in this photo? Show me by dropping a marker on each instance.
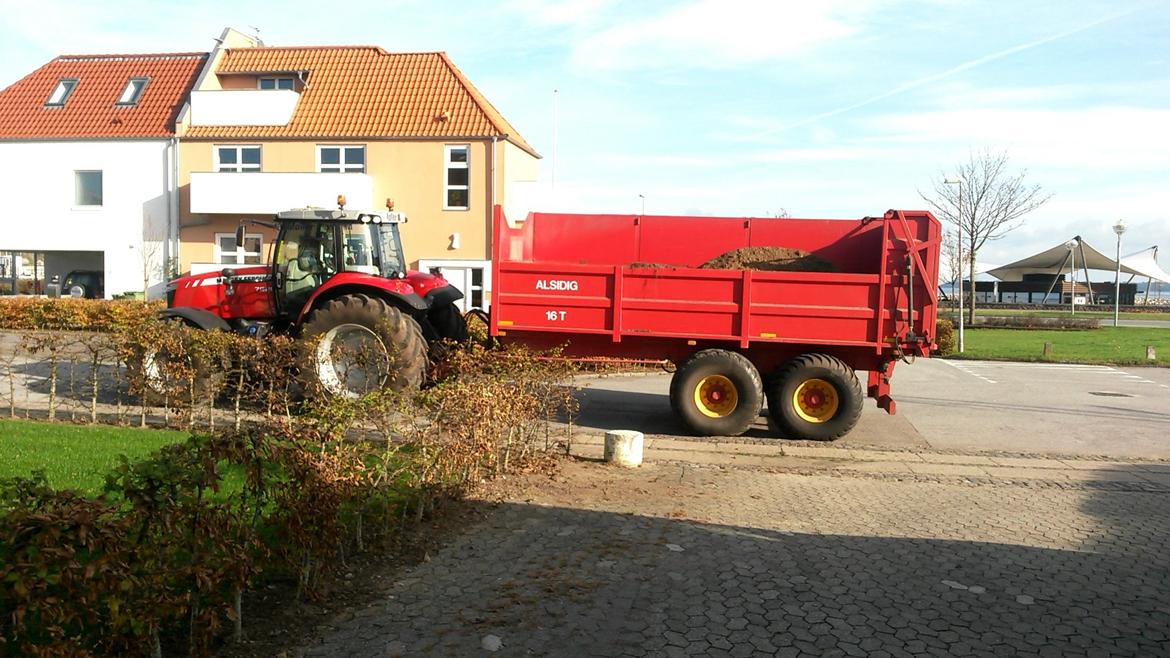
(372, 249)
(358, 249)
(393, 263)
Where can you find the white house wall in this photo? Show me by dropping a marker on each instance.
(37, 189)
(522, 192)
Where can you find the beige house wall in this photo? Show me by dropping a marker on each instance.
(411, 172)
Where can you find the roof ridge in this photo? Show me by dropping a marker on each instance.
(482, 101)
(378, 49)
(342, 47)
(470, 89)
(127, 56)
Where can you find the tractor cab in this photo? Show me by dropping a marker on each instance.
(316, 245)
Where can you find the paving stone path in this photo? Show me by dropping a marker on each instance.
(678, 559)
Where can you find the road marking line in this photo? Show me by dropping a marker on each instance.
(963, 369)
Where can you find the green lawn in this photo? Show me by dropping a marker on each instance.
(1119, 346)
(74, 456)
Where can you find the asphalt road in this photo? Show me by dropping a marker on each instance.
(956, 405)
(1157, 324)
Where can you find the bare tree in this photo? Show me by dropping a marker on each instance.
(950, 267)
(994, 202)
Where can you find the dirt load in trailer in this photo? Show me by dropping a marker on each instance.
(597, 285)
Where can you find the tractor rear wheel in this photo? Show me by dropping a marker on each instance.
(815, 397)
(360, 343)
(717, 393)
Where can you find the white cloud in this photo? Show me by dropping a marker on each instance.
(720, 34)
(1093, 139)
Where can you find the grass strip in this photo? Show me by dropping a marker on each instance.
(74, 456)
(1107, 345)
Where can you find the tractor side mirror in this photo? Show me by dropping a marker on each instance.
(239, 237)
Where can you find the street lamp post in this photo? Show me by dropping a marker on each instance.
(1118, 228)
(959, 226)
(643, 198)
(1072, 275)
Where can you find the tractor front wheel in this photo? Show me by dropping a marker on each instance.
(717, 393)
(357, 344)
(815, 397)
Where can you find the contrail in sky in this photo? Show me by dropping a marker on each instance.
(914, 84)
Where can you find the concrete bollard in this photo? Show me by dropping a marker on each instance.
(624, 448)
(1047, 349)
(1150, 353)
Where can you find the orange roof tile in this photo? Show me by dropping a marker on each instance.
(90, 112)
(366, 92)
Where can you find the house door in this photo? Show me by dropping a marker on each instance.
(470, 277)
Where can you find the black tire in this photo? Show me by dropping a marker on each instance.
(394, 351)
(448, 323)
(449, 329)
(717, 393)
(828, 413)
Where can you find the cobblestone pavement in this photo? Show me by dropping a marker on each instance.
(673, 560)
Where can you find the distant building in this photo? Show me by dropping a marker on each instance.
(88, 159)
(1042, 289)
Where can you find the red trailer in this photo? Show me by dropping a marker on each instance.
(582, 282)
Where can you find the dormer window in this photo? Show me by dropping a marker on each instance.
(61, 92)
(133, 91)
(276, 82)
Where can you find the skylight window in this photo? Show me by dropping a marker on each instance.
(133, 91)
(61, 92)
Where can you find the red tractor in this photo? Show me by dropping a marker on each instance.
(339, 276)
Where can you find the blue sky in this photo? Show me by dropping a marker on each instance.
(826, 109)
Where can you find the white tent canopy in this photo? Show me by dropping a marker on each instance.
(1145, 263)
(1056, 260)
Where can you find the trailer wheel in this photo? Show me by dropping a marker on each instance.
(717, 393)
(362, 344)
(815, 397)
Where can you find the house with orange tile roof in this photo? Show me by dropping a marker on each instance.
(271, 127)
(88, 160)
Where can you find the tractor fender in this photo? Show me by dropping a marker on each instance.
(409, 301)
(442, 296)
(196, 317)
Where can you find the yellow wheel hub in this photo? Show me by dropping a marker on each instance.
(815, 400)
(716, 396)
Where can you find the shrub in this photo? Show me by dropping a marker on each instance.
(164, 556)
(945, 338)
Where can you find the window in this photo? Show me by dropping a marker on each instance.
(476, 290)
(456, 195)
(61, 92)
(87, 188)
(341, 159)
(237, 158)
(275, 82)
(248, 254)
(133, 91)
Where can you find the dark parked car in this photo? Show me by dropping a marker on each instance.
(87, 284)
